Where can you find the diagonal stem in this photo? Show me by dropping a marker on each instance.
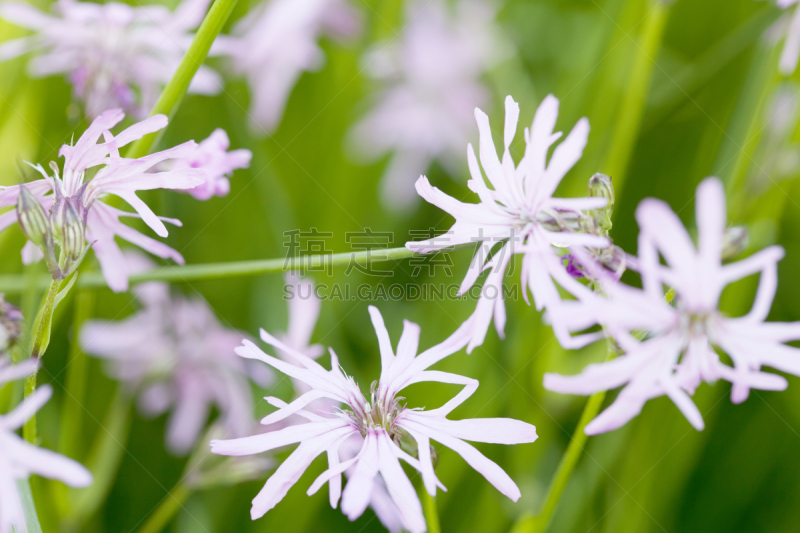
(172, 94)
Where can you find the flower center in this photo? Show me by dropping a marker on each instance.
(378, 414)
(696, 324)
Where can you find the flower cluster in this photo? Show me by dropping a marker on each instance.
(114, 55)
(667, 349)
(60, 214)
(380, 424)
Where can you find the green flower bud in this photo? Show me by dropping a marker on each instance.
(73, 240)
(32, 217)
(600, 186)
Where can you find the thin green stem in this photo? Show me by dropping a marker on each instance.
(431, 514)
(212, 271)
(540, 523)
(171, 97)
(41, 339)
(635, 97)
(165, 512)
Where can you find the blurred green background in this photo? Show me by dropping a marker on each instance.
(664, 115)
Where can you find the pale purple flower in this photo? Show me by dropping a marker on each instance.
(213, 157)
(379, 421)
(431, 77)
(176, 355)
(680, 350)
(521, 214)
(113, 54)
(20, 459)
(791, 47)
(118, 176)
(304, 307)
(275, 43)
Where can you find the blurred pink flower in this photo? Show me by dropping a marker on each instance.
(212, 156)
(20, 459)
(791, 47)
(118, 176)
(381, 421)
(275, 43)
(513, 213)
(679, 351)
(115, 55)
(431, 86)
(176, 354)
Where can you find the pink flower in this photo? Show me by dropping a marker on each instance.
(431, 79)
(521, 214)
(115, 55)
(176, 355)
(304, 307)
(212, 156)
(20, 459)
(381, 421)
(680, 350)
(118, 176)
(275, 43)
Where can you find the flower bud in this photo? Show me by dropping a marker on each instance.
(600, 186)
(73, 240)
(32, 217)
(734, 242)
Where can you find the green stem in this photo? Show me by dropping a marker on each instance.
(540, 523)
(41, 330)
(170, 98)
(431, 514)
(169, 506)
(212, 271)
(744, 133)
(635, 97)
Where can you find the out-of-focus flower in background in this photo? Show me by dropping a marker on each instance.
(520, 214)
(176, 355)
(431, 82)
(275, 43)
(212, 156)
(113, 54)
(76, 207)
(791, 47)
(10, 325)
(679, 351)
(20, 459)
(383, 422)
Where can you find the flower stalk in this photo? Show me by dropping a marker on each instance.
(635, 97)
(167, 509)
(41, 330)
(172, 94)
(431, 514)
(212, 271)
